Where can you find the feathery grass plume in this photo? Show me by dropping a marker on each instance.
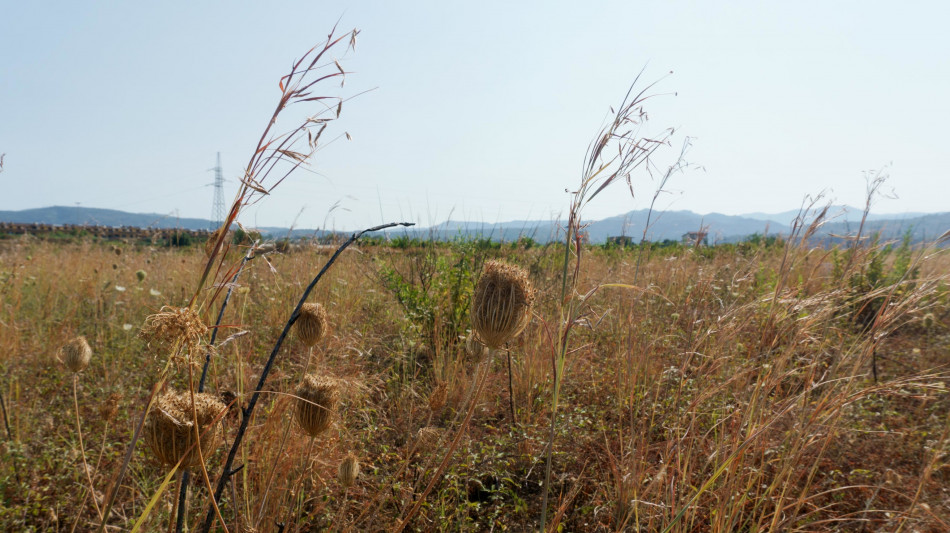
(501, 307)
(316, 403)
(311, 325)
(76, 354)
(349, 470)
(438, 396)
(427, 438)
(174, 323)
(170, 427)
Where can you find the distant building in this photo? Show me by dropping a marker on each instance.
(697, 238)
(620, 240)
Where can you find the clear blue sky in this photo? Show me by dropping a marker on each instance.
(483, 109)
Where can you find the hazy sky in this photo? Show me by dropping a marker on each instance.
(483, 110)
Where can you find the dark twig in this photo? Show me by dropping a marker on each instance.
(249, 410)
(3, 406)
(186, 476)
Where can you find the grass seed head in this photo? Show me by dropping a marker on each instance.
(311, 324)
(317, 398)
(501, 307)
(349, 470)
(170, 428)
(76, 354)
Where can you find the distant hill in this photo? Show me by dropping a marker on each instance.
(663, 225)
(840, 213)
(90, 216)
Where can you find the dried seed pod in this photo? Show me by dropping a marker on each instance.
(501, 306)
(311, 324)
(316, 403)
(76, 354)
(349, 470)
(427, 438)
(170, 428)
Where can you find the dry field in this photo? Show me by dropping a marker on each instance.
(720, 389)
(764, 386)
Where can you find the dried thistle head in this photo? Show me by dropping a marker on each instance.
(438, 396)
(311, 324)
(427, 438)
(170, 427)
(76, 354)
(501, 306)
(173, 324)
(317, 399)
(349, 470)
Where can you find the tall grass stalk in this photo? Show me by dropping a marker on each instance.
(614, 154)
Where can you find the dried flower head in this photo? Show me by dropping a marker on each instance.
(109, 407)
(349, 470)
(76, 354)
(438, 397)
(170, 427)
(427, 438)
(501, 306)
(173, 324)
(317, 398)
(311, 324)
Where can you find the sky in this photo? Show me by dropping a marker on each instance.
(474, 111)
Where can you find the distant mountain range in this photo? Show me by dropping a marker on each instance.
(663, 225)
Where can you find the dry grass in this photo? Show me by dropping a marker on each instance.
(735, 371)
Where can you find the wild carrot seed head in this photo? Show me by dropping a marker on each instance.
(501, 306)
(312, 324)
(76, 354)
